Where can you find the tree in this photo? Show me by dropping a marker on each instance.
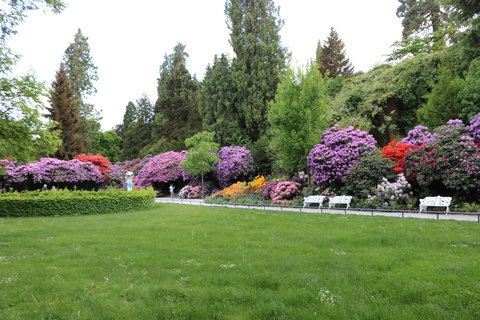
(420, 16)
(129, 117)
(23, 134)
(217, 104)
(333, 60)
(259, 59)
(297, 116)
(470, 94)
(108, 144)
(201, 155)
(176, 109)
(65, 112)
(82, 74)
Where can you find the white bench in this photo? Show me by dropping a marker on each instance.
(313, 199)
(437, 201)
(340, 200)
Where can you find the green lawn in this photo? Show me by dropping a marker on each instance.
(189, 262)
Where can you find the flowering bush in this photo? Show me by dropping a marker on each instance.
(235, 191)
(163, 168)
(116, 176)
(192, 192)
(60, 173)
(99, 161)
(474, 128)
(337, 153)
(397, 191)
(235, 163)
(268, 189)
(418, 136)
(284, 191)
(257, 184)
(396, 151)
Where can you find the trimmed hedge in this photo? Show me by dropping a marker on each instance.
(66, 202)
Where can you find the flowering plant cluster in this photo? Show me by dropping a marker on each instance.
(396, 152)
(53, 172)
(285, 190)
(235, 191)
(257, 183)
(418, 136)
(163, 168)
(99, 161)
(474, 128)
(337, 153)
(397, 191)
(116, 176)
(235, 162)
(192, 192)
(267, 190)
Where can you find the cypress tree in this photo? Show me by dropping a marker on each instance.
(64, 110)
(332, 58)
(129, 117)
(259, 59)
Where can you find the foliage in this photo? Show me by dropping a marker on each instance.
(65, 202)
(470, 94)
(420, 16)
(474, 128)
(285, 191)
(297, 116)
(367, 174)
(418, 136)
(129, 117)
(176, 109)
(53, 172)
(337, 153)
(100, 162)
(259, 60)
(396, 151)
(109, 144)
(163, 168)
(332, 60)
(263, 155)
(235, 163)
(64, 111)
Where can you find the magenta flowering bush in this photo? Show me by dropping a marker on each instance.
(337, 153)
(116, 178)
(235, 163)
(418, 136)
(474, 128)
(53, 172)
(163, 168)
(267, 190)
(193, 191)
(284, 191)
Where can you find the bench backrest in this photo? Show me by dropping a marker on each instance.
(436, 201)
(314, 199)
(341, 199)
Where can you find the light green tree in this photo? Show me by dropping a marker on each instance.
(201, 156)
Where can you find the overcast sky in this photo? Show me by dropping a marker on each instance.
(129, 39)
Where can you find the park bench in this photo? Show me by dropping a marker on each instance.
(340, 200)
(313, 199)
(437, 201)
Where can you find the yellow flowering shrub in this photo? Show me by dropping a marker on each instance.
(236, 190)
(257, 183)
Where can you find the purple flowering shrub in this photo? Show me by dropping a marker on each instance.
(53, 172)
(235, 163)
(398, 191)
(337, 153)
(116, 178)
(418, 136)
(474, 128)
(161, 169)
(285, 191)
(267, 190)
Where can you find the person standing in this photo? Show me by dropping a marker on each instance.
(171, 188)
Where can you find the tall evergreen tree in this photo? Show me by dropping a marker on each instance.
(64, 110)
(259, 59)
(217, 104)
(176, 111)
(129, 117)
(420, 16)
(333, 59)
(82, 74)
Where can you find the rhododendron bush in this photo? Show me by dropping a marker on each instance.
(474, 128)
(163, 168)
(99, 161)
(235, 163)
(396, 152)
(284, 191)
(53, 172)
(337, 153)
(418, 136)
(116, 177)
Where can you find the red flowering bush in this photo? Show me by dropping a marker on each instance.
(396, 151)
(100, 162)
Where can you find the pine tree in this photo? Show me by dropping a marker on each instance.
(176, 110)
(64, 110)
(259, 59)
(129, 117)
(217, 106)
(420, 16)
(82, 74)
(333, 59)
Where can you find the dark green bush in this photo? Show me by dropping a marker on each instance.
(66, 202)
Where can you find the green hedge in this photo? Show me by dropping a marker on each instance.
(65, 202)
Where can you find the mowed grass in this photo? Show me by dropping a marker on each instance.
(189, 262)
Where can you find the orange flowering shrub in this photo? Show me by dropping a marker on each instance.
(236, 190)
(257, 184)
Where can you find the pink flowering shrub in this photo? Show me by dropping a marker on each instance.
(116, 177)
(337, 153)
(474, 128)
(235, 163)
(418, 136)
(284, 191)
(164, 168)
(53, 172)
(193, 192)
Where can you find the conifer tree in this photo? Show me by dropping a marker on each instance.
(259, 59)
(65, 112)
(176, 111)
(129, 117)
(82, 74)
(333, 59)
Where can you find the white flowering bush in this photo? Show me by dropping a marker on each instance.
(397, 191)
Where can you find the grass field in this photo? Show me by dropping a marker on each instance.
(190, 262)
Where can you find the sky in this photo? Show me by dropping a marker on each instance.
(129, 39)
